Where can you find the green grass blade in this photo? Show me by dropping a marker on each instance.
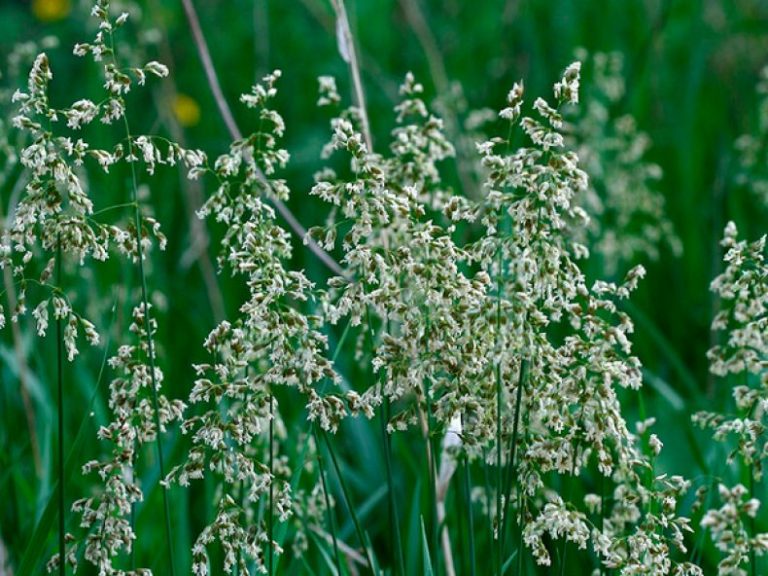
(508, 562)
(425, 557)
(348, 501)
(332, 566)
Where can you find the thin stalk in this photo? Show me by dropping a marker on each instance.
(148, 321)
(394, 519)
(150, 349)
(34, 550)
(520, 523)
(271, 512)
(752, 524)
(297, 474)
(577, 447)
(487, 485)
(520, 536)
(60, 386)
(420, 25)
(385, 85)
(242, 498)
(331, 524)
(132, 518)
(563, 556)
(236, 134)
(460, 505)
(344, 32)
(602, 513)
(513, 449)
(470, 516)
(499, 485)
(432, 463)
(197, 252)
(348, 502)
(431, 457)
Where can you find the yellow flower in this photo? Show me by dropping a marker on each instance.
(50, 10)
(187, 111)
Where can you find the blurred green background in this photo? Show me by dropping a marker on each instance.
(691, 68)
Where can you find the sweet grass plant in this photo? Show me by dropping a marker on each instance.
(459, 340)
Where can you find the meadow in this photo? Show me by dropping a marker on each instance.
(383, 287)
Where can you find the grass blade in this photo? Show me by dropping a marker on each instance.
(425, 557)
(348, 502)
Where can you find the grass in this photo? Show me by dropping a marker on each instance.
(692, 66)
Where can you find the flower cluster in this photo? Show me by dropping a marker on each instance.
(561, 350)
(56, 212)
(404, 278)
(271, 345)
(729, 528)
(743, 318)
(475, 322)
(105, 519)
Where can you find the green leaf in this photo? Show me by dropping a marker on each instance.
(426, 560)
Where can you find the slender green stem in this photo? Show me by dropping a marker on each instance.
(271, 512)
(461, 508)
(499, 485)
(242, 499)
(148, 319)
(520, 520)
(520, 542)
(698, 548)
(563, 556)
(298, 472)
(60, 386)
(34, 551)
(114, 207)
(577, 447)
(431, 456)
(348, 502)
(470, 516)
(354, 67)
(132, 519)
(329, 510)
(487, 486)
(150, 350)
(752, 524)
(513, 449)
(602, 513)
(394, 519)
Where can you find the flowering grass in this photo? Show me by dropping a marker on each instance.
(457, 330)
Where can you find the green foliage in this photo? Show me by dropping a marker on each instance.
(671, 129)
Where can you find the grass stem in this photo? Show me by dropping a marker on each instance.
(497, 368)
(271, 511)
(513, 449)
(470, 515)
(394, 519)
(150, 348)
(350, 56)
(348, 502)
(60, 387)
(331, 523)
(213, 82)
(752, 523)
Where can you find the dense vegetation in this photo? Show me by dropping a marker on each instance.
(397, 287)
